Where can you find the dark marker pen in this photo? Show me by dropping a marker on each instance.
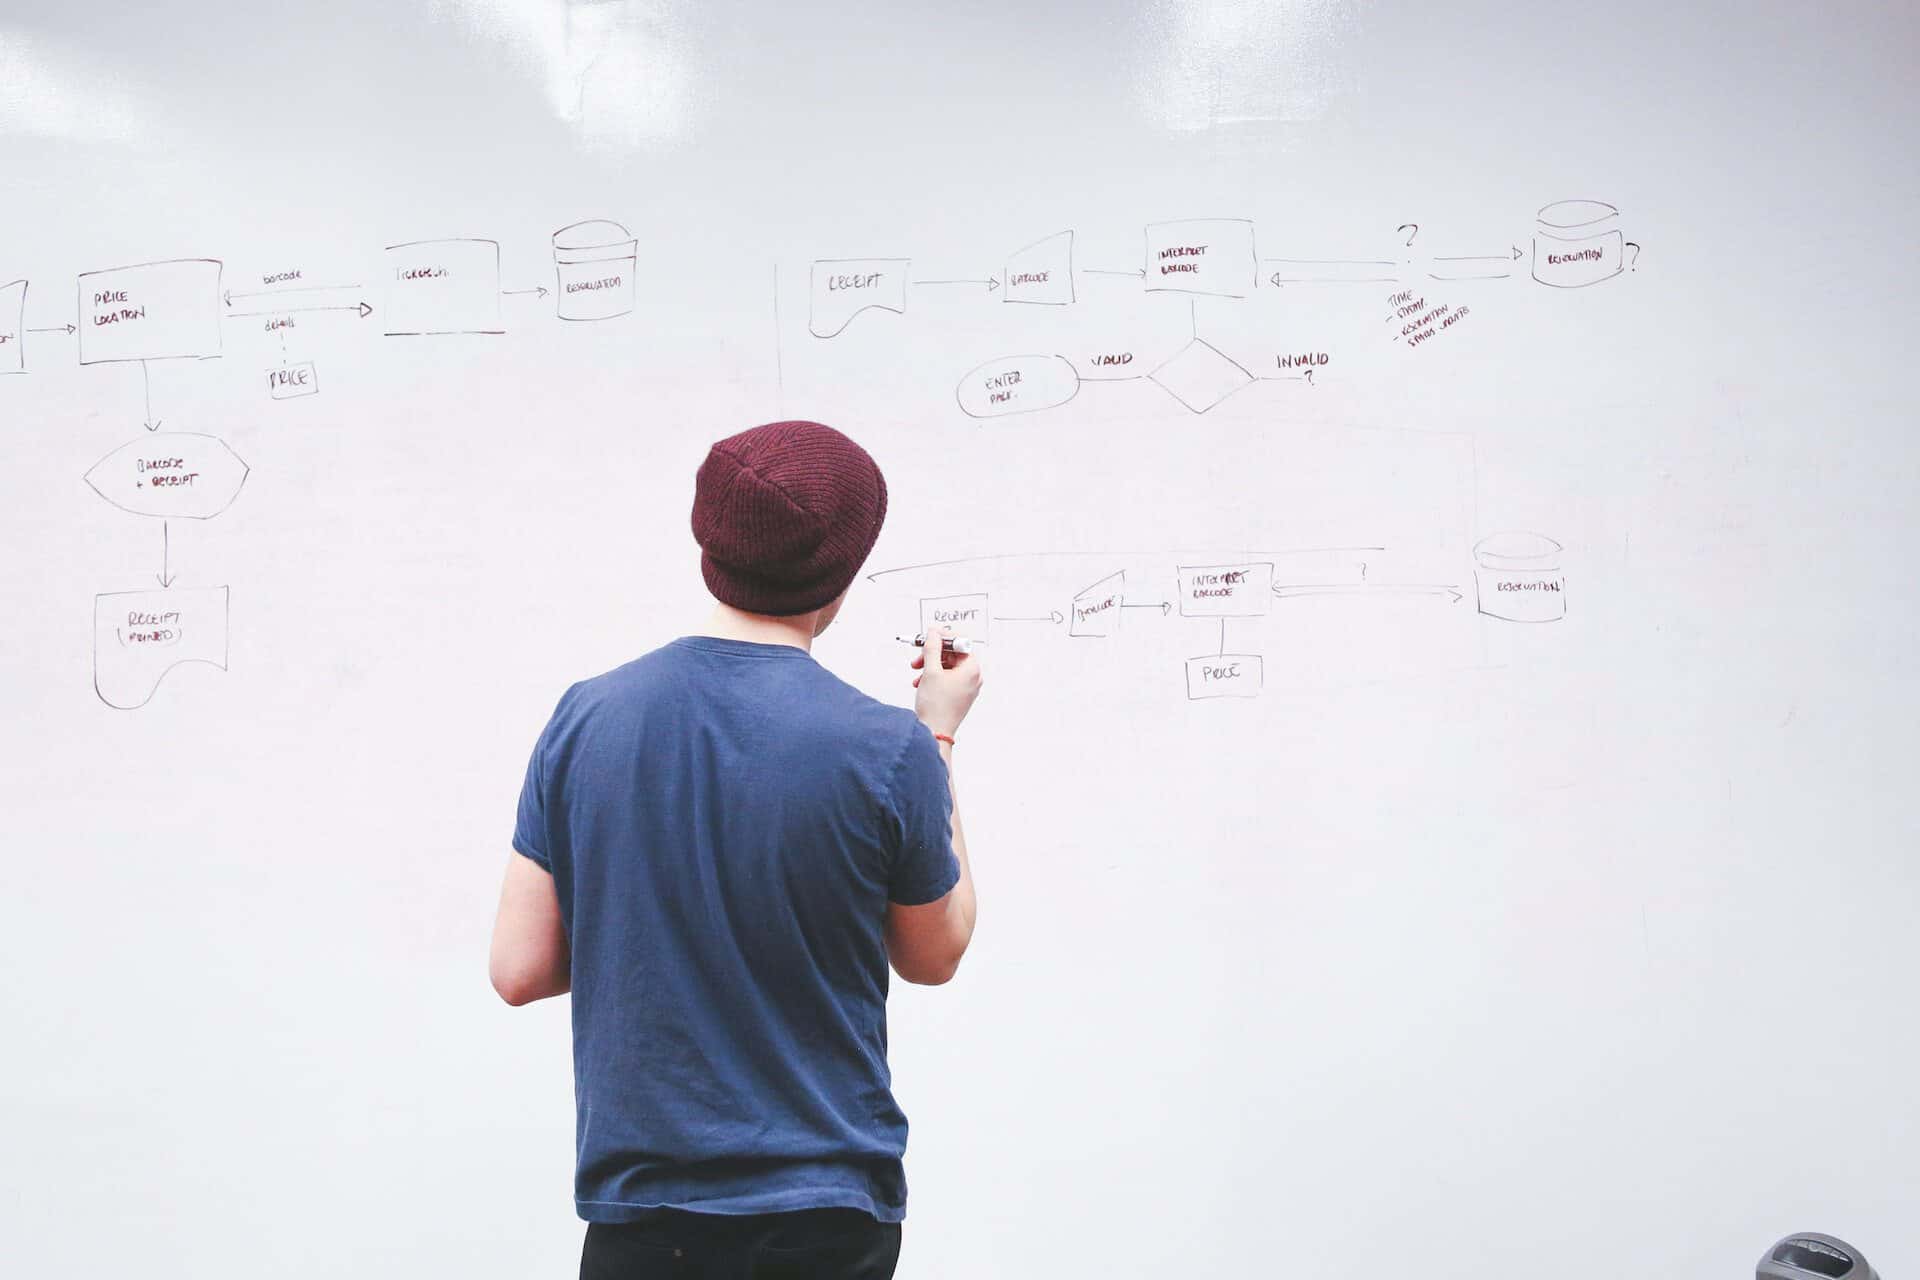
(951, 644)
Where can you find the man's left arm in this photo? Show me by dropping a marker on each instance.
(529, 959)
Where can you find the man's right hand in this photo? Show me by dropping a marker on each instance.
(944, 694)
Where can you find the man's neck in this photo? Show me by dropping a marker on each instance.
(729, 623)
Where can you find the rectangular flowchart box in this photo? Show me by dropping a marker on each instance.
(290, 382)
(1224, 675)
(966, 616)
(153, 311)
(1202, 255)
(1225, 590)
(442, 287)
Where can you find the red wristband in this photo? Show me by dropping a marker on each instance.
(941, 737)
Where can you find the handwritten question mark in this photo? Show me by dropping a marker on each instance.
(1636, 255)
(1411, 228)
(1363, 571)
(1309, 377)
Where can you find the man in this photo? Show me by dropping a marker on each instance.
(720, 847)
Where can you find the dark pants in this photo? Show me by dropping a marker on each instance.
(804, 1244)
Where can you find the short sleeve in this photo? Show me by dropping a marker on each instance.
(530, 825)
(920, 804)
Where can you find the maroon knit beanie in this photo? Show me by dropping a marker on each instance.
(785, 515)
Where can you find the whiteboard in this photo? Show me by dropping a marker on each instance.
(1434, 483)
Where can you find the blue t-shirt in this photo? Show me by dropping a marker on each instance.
(725, 823)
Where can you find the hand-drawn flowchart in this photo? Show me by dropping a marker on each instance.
(1517, 577)
(1574, 244)
(1512, 576)
(184, 310)
(180, 310)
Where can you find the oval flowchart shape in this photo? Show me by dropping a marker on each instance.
(1017, 384)
(173, 474)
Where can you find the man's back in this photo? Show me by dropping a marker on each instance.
(726, 822)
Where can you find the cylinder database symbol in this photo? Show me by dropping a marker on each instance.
(1577, 243)
(1518, 577)
(594, 261)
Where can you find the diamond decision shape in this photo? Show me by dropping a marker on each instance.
(1199, 377)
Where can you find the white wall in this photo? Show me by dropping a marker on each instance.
(1465, 947)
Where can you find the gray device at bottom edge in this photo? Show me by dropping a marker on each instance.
(1812, 1256)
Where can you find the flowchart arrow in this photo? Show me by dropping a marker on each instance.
(990, 283)
(1138, 272)
(1514, 256)
(539, 289)
(1286, 271)
(1055, 617)
(146, 394)
(59, 328)
(227, 296)
(166, 550)
(1165, 607)
(1372, 588)
(1449, 273)
(361, 307)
